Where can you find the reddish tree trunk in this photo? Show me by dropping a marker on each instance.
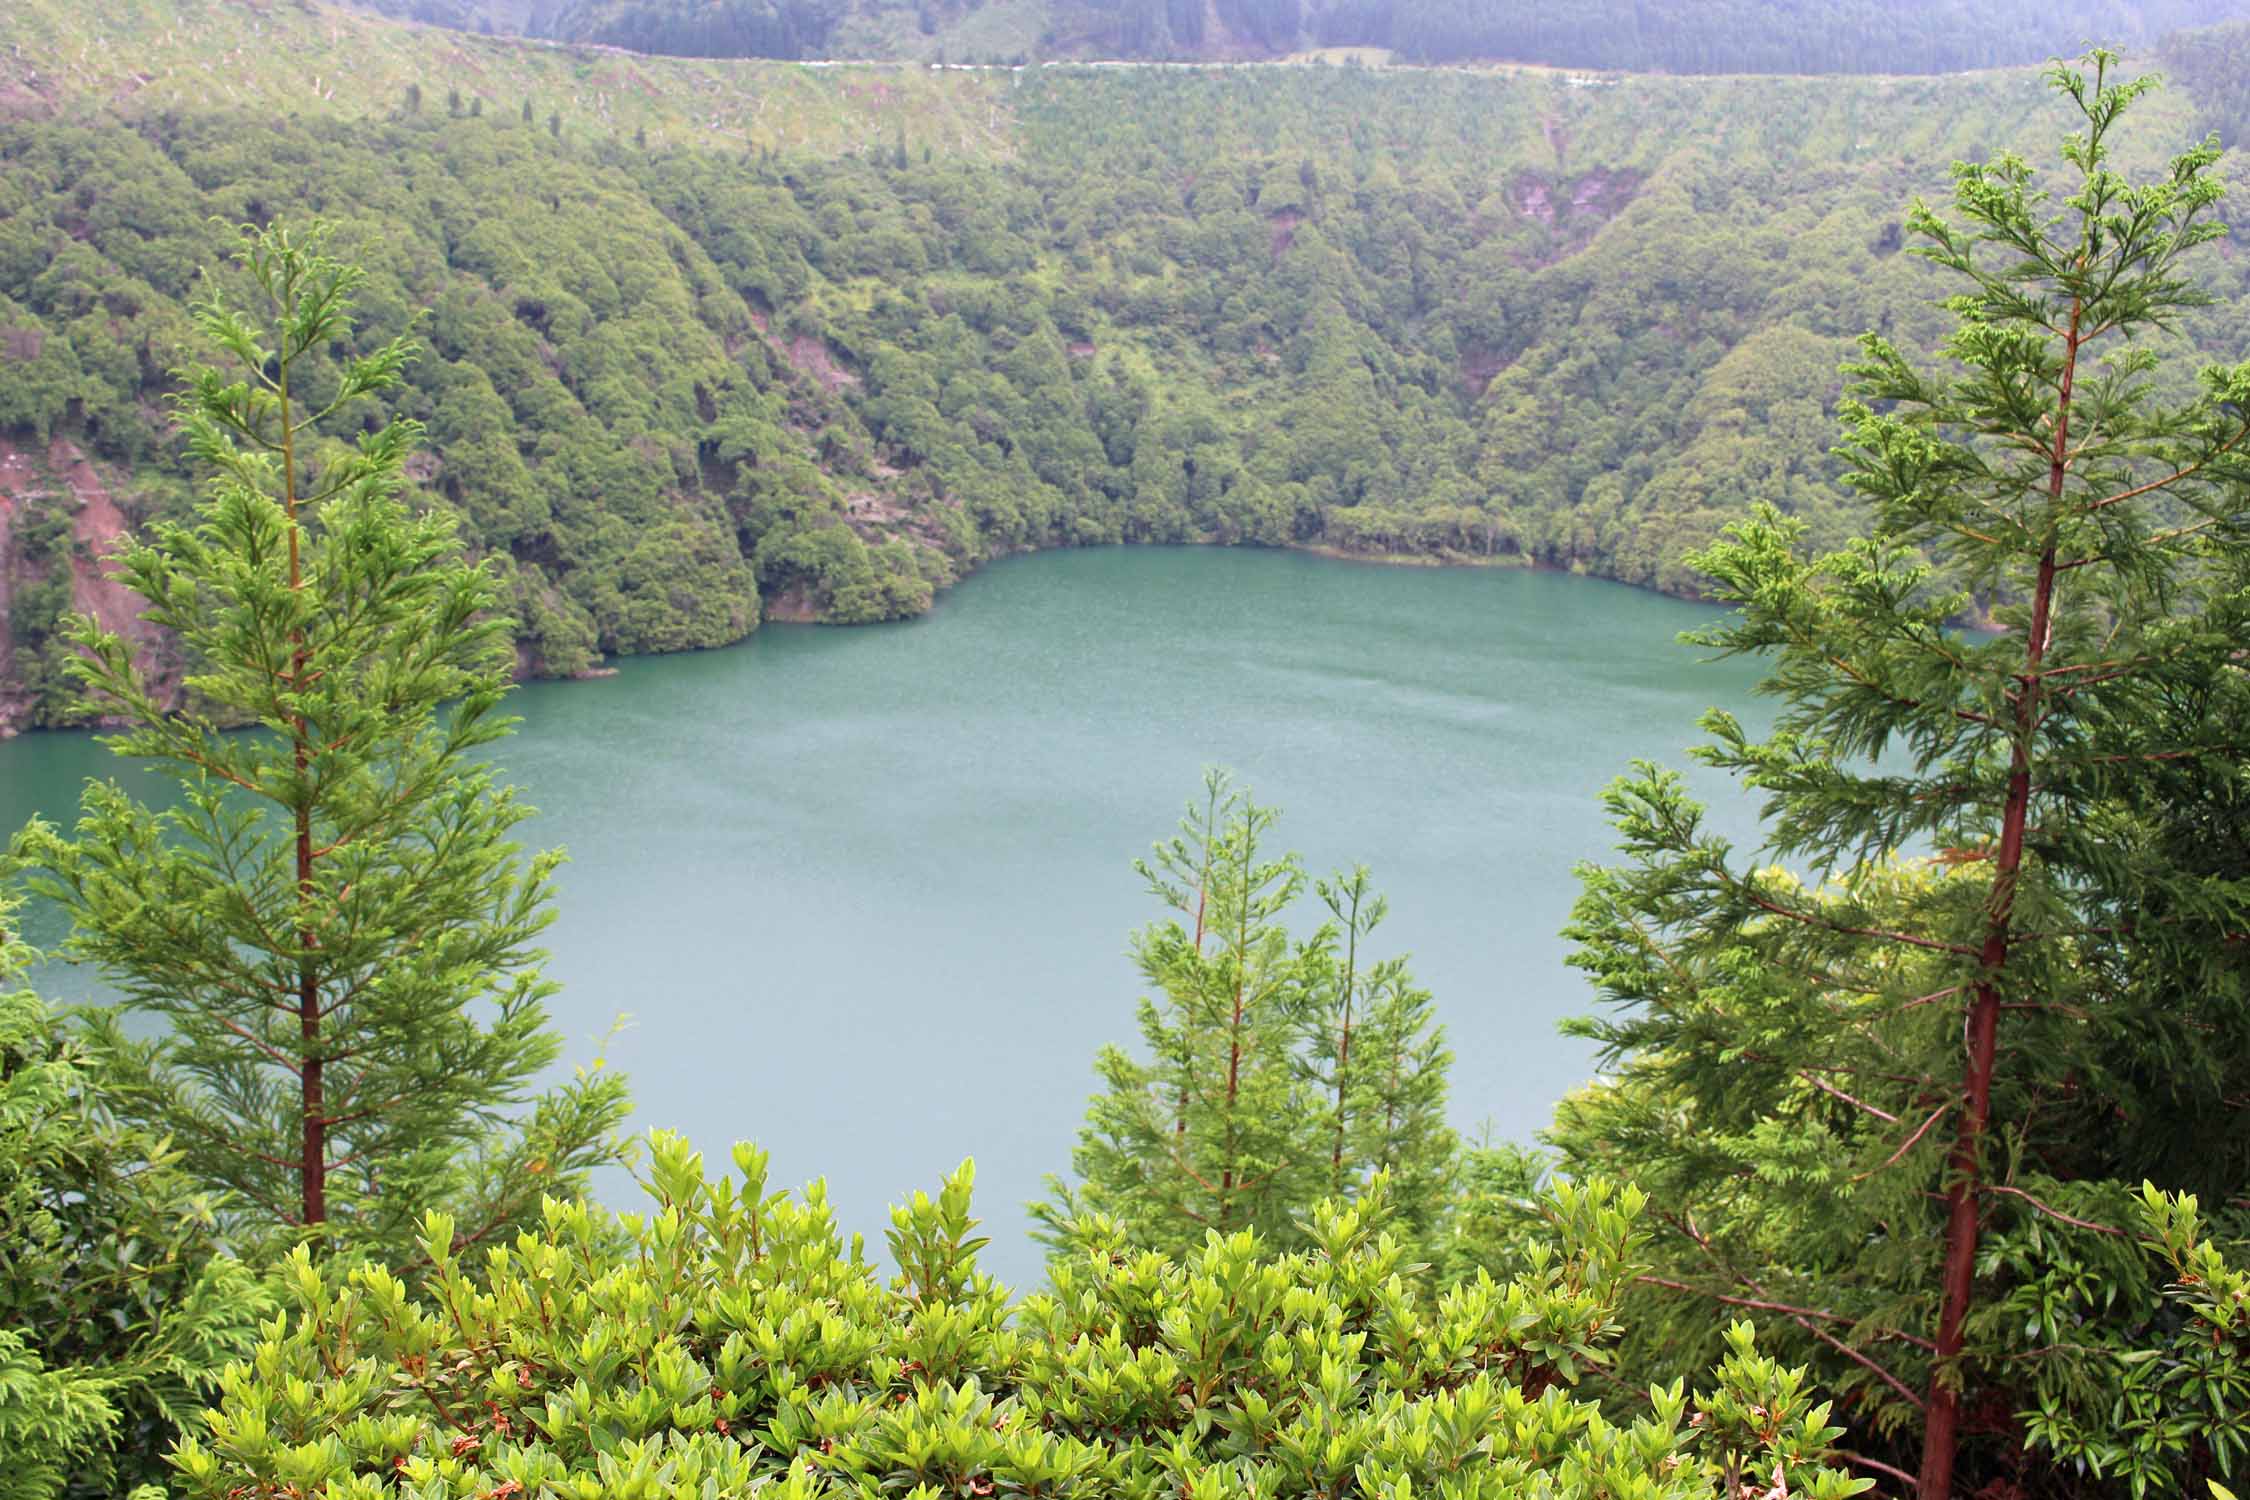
(1344, 1051)
(1941, 1431)
(312, 1163)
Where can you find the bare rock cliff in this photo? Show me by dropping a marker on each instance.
(38, 490)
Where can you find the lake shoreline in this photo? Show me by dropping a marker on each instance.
(608, 667)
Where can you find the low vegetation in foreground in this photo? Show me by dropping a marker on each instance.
(1914, 1166)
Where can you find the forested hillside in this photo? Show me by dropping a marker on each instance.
(706, 342)
(2213, 65)
(1673, 36)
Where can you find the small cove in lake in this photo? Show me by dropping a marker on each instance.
(866, 893)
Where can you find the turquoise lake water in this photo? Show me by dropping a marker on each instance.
(864, 895)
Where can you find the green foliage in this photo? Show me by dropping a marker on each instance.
(1758, 36)
(118, 1300)
(331, 917)
(727, 1343)
(1892, 1108)
(1274, 1072)
(1378, 1057)
(699, 28)
(2179, 1388)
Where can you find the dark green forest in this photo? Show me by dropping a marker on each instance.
(672, 391)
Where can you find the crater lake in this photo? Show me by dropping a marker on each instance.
(826, 887)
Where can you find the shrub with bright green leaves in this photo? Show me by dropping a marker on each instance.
(120, 1300)
(2176, 1390)
(731, 1342)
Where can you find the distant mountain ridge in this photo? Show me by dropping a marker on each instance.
(1676, 36)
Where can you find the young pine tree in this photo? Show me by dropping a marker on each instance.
(1217, 1129)
(1377, 1057)
(330, 916)
(1397, 1099)
(1274, 1072)
(1912, 1056)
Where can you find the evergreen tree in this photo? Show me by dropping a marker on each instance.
(1397, 1095)
(1883, 1085)
(331, 917)
(1357, 910)
(1217, 1130)
(1274, 1072)
(1376, 1054)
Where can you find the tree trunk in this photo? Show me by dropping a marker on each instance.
(1234, 1041)
(1187, 1022)
(1344, 1047)
(1941, 1431)
(313, 1147)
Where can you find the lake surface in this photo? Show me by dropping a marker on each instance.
(865, 894)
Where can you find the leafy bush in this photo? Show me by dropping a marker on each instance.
(730, 1342)
(118, 1303)
(2172, 1394)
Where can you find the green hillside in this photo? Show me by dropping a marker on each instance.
(709, 342)
(137, 59)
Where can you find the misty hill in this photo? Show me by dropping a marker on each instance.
(1676, 36)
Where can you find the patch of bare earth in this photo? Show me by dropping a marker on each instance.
(96, 532)
(64, 478)
(1478, 366)
(809, 356)
(1573, 208)
(795, 605)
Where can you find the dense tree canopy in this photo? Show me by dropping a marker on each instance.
(670, 391)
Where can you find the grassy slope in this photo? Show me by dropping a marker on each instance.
(138, 57)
